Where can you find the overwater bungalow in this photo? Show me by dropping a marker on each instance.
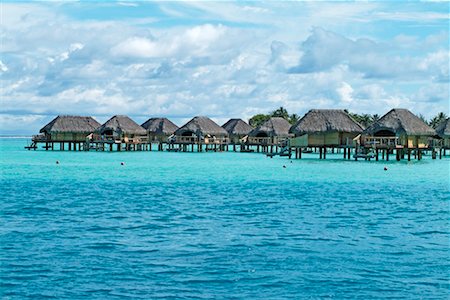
(200, 131)
(70, 131)
(398, 130)
(159, 130)
(122, 131)
(325, 128)
(443, 131)
(272, 133)
(237, 130)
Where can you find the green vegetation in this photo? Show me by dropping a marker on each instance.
(258, 119)
(367, 119)
(364, 119)
(435, 121)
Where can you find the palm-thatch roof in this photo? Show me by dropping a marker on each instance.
(443, 129)
(122, 124)
(202, 126)
(275, 126)
(71, 124)
(160, 126)
(401, 121)
(326, 121)
(237, 127)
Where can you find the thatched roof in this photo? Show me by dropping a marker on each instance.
(401, 121)
(325, 121)
(203, 126)
(275, 126)
(71, 124)
(237, 127)
(161, 126)
(122, 124)
(443, 129)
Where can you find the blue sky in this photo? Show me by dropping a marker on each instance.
(220, 59)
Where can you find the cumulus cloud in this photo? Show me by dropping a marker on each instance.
(195, 41)
(3, 67)
(220, 64)
(345, 92)
(138, 47)
(325, 49)
(66, 54)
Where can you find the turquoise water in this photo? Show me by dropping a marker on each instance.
(220, 225)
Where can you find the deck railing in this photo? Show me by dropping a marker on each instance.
(117, 139)
(381, 142)
(40, 138)
(253, 140)
(195, 140)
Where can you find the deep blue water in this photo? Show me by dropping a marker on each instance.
(220, 225)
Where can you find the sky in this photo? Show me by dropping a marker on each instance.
(220, 59)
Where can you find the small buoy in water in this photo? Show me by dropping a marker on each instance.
(122, 163)
(385, 168)
(291, 161)
(57, 162)
(284, 166)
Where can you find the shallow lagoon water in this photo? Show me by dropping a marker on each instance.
(220, 225)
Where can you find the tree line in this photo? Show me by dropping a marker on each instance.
(364, 119)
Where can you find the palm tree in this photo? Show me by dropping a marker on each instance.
(375, 118)
(366, 120)
(435, 121)
(293, 118)
(280, 112)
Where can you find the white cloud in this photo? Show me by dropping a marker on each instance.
(3, 67)
(138, 47)
(413, 16)
(438, 64)
(55, 64)
(324, 50)
(127, 3)
(345, 92)
(13, 124)
(195, 41)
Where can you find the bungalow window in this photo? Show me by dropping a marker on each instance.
(108, 132)
(187, 133)
(385, 133)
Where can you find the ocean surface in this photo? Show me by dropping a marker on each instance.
(220, 225)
